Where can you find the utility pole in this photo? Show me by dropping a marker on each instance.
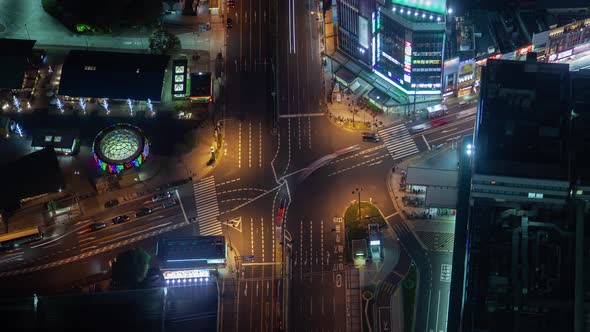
(27, 30)
(228, 235)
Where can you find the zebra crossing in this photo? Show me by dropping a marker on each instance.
(207, 207)
(398, 141)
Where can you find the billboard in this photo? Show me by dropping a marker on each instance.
(437, 6)
(363, 32)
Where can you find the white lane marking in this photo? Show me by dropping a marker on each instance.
(437, 310)
(87, 239)
(56, 239)
(88, 248)
(426, 142)
(459, 133)
(428, 311)
(309, 130)
(259, 144)
(136, 233)
(240, 145)
(299, 115)
(227, 182)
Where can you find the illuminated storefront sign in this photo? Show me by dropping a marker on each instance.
(390, 58)
(183, 274)
(216, 261)
(437, 6)
(179, 84)
(408, 61)
(525, 50)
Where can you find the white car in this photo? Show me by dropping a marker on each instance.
(161, 196)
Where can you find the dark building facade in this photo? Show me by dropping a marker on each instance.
(354, 29)
(524, 242)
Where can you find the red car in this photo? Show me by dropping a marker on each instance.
(439, 122)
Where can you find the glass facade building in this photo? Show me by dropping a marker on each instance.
(408, 46)
(354, 31)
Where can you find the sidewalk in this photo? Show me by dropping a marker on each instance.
(341, 114)
(433, 228)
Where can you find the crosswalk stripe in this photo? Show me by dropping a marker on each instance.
(398, 141)
(207, 206)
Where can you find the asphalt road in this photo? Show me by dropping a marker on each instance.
(299, 57)
(308, 163)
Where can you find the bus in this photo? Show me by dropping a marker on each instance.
(437, 110)
(15, 239)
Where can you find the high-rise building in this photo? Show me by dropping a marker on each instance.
(519, 260)
(354, 28)
(408, 44)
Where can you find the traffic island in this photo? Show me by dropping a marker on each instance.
(409, 298)
(356, 222)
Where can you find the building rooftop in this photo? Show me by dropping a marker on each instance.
(190, 252)
(200, 84)
(63, 139)
(522, 120)
(432, 177)
(36, 174)
(113, 75)
(14, 58)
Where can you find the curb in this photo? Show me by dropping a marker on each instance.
(401, 213)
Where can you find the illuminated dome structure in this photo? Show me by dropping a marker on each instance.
(119, 147)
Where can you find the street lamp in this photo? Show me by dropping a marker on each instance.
(358, 191)
(228, 235)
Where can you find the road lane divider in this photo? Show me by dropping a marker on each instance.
(92, 252)
(136, 233)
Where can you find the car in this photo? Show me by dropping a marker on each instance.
(371, 137)
(169, 203)
(120, 219)
(111, 203)
(229, 23)
(439, 122)
(161, 196)
(96, 226)
(143, 212)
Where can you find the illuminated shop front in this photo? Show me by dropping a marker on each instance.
(119, 147)
(409, 45)
(563, 43)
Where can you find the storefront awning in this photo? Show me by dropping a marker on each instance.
(345, 76)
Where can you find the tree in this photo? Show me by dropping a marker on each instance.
(163, 42)
(130, 268)
(106, 15)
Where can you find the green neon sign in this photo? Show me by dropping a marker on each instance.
(437, 6)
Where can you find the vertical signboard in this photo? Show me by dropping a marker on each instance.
(407, 61)
(363, 32)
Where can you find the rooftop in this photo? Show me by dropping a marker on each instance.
(190, 252)
(113, 75)
(200, 84)
(432, 177)
(54, 138)
(14, 57)
(522, 120)
(36, 174)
